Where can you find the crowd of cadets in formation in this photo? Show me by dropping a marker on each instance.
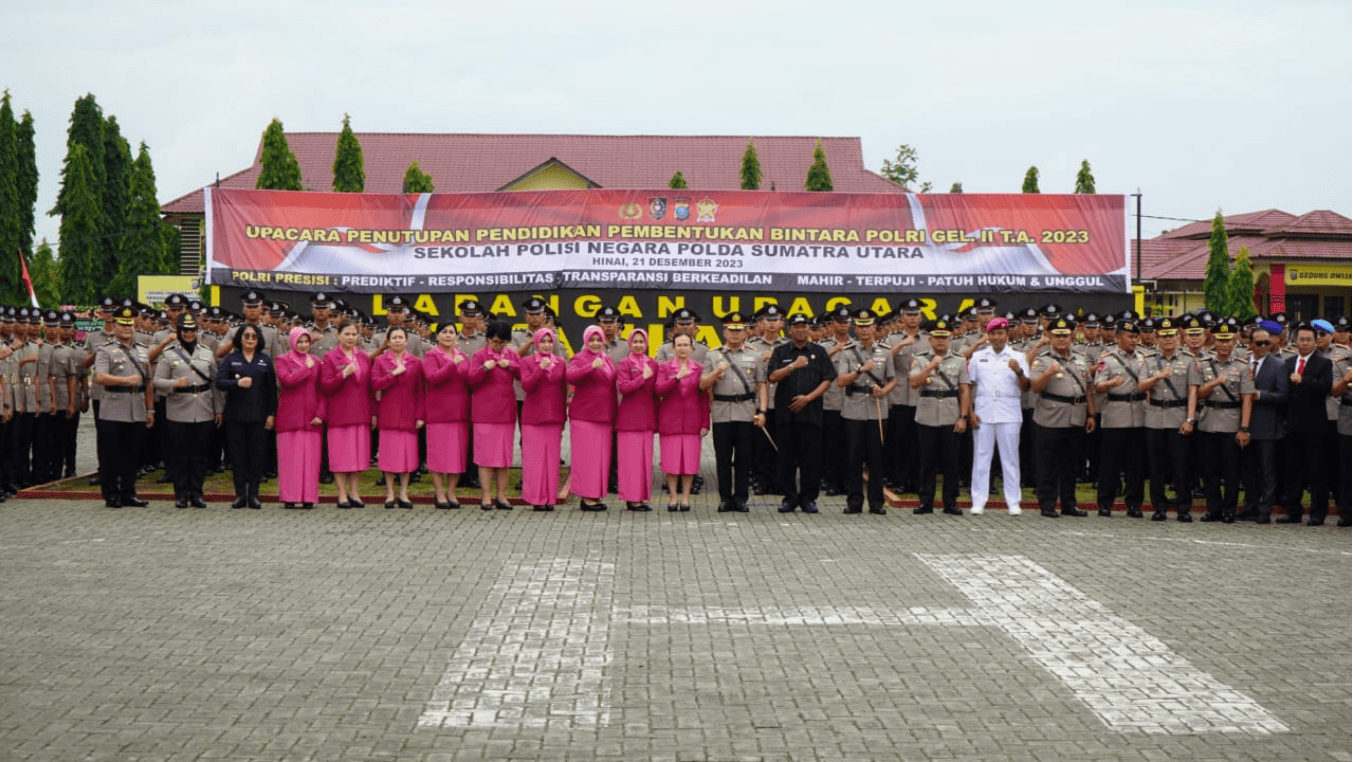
(1200, 406)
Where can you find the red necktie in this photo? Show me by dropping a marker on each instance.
(1301, 366)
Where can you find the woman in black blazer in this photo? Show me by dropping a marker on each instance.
(246, 375)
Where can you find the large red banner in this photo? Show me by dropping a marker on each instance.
(667, 240)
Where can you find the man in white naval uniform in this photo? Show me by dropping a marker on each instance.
(998, 375)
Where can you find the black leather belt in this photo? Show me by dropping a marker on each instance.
(1345, 401)
(129, 389)
(1222, 405)
(1138, 397)
(192, 389)
(938, 393)
(1169, 403)
(1062, 398)
(734, 397)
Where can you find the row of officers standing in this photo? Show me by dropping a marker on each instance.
(1195, 403)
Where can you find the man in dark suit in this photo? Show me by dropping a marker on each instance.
(1311, 375)
(1266, 427)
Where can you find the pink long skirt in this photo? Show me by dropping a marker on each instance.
(680, 453)
(349, 448)
(448, 444)
(634, 465)
(540, 462)
(591, 447)
(399, 452)
(493, 444)
(298, 465)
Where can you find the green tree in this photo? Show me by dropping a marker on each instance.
(46, 278)
(956, 188)
(9, 200)
(81, 232)
(1240, 288)
(1216, 298)
(416, 180)
(143, 246)
(349, 166)
(117, 163)
(280, 170)
(86, 129)
(906, 170)
(751, 168)
(678, 181)
(27, 180)
(819, 177)
(1085, 182)
(1031, 181)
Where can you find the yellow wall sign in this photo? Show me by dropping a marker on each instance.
(1319, 274)
(154, 289)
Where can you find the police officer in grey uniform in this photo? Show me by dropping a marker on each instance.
(1122, 423)
(613, 329)
(323, 330)
(1221, 398)
(833, 425)
(939, 378)
(471, 339)
(186, 374)
(905, 343)
(683, 321)
(770, 322)
(1340, 392)
(122, 367)
(1165, 377)
(66, 361)
(735, 375)
(1063, 413)
(865, 372)
(26, 396)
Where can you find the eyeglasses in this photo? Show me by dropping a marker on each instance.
(1260, 343)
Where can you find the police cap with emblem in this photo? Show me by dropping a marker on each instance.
(772, 312)
(396, 303)
(51, 318)
(1341, 324)
(734, 320)
(1062, 326)
(187, 322)
(1091, 320)
(68, 319)
(471, 308)
(107, 304)
(320, 300)
(841, 314)
(125, 315)
(798, 318)
(863, 317)
(985, 306)
(176, 302)
(252, 298)
(1127, 326)
(683, 316)
(1167, 326)
(1050, 311)
(940, 328)
(1192, 324)
(1129, 315)
(534, 306)
(1225, 328)
(608, 315)
(1028, 315)
(910, 307)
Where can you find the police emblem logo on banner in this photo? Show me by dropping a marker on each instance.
(681, 209)
(657, 208)
(630, 211)
(706, 208)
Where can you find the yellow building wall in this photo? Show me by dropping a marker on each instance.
(552, 177)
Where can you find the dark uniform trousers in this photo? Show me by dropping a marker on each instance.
(834, 448)
(1341, 478)
(901, 431)
(6, 462)
(120, 444)
(937, 450)
(1094, 448)
(68, 446)
(733, 459)
(765, 470)
(1169, 457)
(799, 465)
(1260, 476)
(189, 445)
(1122, 451)
(18, 448)
(863, 448)
(51, 428)
(248, 446)
(1028, 452)
(1061, 451)
(1221, 471)
(1306, 470)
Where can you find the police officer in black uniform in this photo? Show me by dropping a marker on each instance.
(802, 372)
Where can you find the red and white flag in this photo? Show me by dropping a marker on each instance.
(27, 281)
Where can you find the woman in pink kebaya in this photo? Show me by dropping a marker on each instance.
(591, 418)
(397, 375)
(635, 422)
(345, 379)
(683, 419)
(299, 423)
(494, 413)
(446, 409)
(542, 422)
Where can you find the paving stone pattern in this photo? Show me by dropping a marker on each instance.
(163, 634)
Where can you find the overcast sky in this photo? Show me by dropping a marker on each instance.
(1231, 105)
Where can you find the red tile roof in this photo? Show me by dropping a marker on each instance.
(470, 163)
(1269, 234)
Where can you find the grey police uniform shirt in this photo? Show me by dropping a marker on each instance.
(747, 361)
(191, 404)
(1335, 354)
(860, 403)
(903, 394)
(1120, 411)
(1344, 401)
(617, 350)
(1170, 390)
(28, 376)
(116, 359)
(9, 368)
(937, 401)
(43, 380)
(835, 397)
(63, 369)
(764, 349)
(472, 343)
(1072, 381)
(416, 346)
(665, 353)
(1219, 413)
(322, 340)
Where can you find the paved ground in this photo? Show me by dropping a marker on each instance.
(157, 634)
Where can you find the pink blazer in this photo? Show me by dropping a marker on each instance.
(401, 403)
(682, 407)
(492, 396)
(593, 388)
(299, 400)
(446, 398)
(347, 400)
(546, 391)
(638, 406)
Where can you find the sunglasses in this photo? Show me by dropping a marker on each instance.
(1260, 343)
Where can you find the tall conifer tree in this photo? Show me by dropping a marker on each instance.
(1240, 288)
(46, 278)
(280, 169)
(1218, 271)
(81, 232)
(677, 182)
(416, 180)
(1085, 182)
(751, 168)
(143, 246)
(349, 166)
(1030, 181)
(117, 162)
(819, 177)
(10, 219)
(86, 129)
(26, 150)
